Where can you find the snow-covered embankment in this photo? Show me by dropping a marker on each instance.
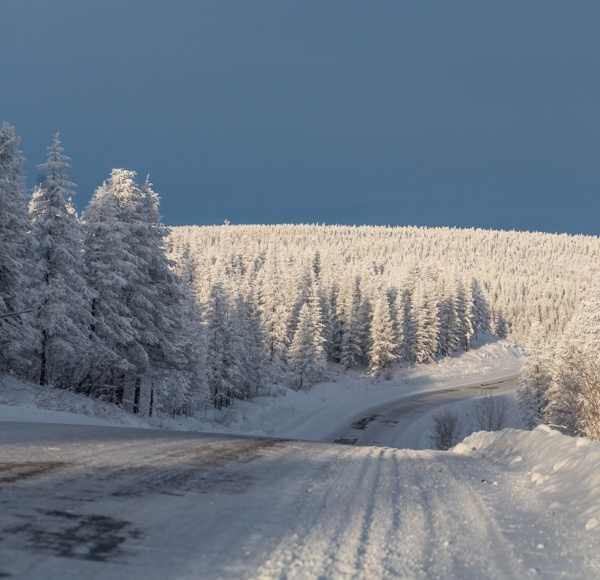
(566, 469)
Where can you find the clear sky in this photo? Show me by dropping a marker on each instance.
(456, 113)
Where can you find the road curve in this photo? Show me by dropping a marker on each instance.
(392, 424)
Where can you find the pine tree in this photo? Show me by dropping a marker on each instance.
(16, 300)
(306, 357)
(480, 311)
(138, 300)
(218, 347)
(350, 351)
(534, 380)
(574, 392)
(63, 317)
(108, 262)
(381, 355)
(408, 325)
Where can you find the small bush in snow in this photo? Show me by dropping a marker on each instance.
(447, 430)
(491, 413)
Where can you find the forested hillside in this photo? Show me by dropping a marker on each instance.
(525, 277)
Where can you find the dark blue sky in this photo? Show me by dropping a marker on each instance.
(475, 113)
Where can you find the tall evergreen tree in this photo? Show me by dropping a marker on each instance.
(218, 347)
(63, 317)
(534, 380)
(16, 300)
(381, 355)
(138, 300)
(306, 358)
(109, 260)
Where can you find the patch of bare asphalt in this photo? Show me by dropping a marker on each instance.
(16, 471)
(71, 535)
(363, 423)
(215, 467)
(346, 440)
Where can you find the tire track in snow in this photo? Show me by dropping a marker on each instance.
(479, 539)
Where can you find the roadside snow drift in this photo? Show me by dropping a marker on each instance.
(567, 469)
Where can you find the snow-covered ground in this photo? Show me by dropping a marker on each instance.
(315, 415)
(104, 502)
(81, 498)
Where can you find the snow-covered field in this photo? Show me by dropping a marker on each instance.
(82, 498)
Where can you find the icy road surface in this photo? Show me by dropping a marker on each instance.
(101, 502)
(402, 423)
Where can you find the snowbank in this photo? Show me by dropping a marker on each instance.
(567, 469)
(20, 401)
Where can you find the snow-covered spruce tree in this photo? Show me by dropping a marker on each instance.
(108, 259)
(574, 392)
(448, 323)
(500, 324)
(174, 368)
(217, 346)
(535, 379)
(381, 355)
(63, 316)
(273, 314)
(480, 310)
(408, 325)
(306, 356)
(464, 310)
(350, 351)
(16, 300)
(137, 301)
(426, 327)
(565, 384)
(246, 360)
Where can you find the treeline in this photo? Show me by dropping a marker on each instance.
(93, 304)
(560, 384)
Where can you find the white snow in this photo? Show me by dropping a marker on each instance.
(565, 469)
(21, 401)
(95, 501)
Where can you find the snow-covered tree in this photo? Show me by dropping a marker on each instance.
(306, 357)
(383, 344)
(218, 346)
(16, 301)
(574, 391)
(426, 324)
(351, 331)
(480, 311)
(448, 322)
(63, 316)
(138, 302)
(534, 380)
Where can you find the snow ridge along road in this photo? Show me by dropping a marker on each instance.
(102, 502)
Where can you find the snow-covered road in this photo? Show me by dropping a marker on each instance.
(404, 422)
(102, 502)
